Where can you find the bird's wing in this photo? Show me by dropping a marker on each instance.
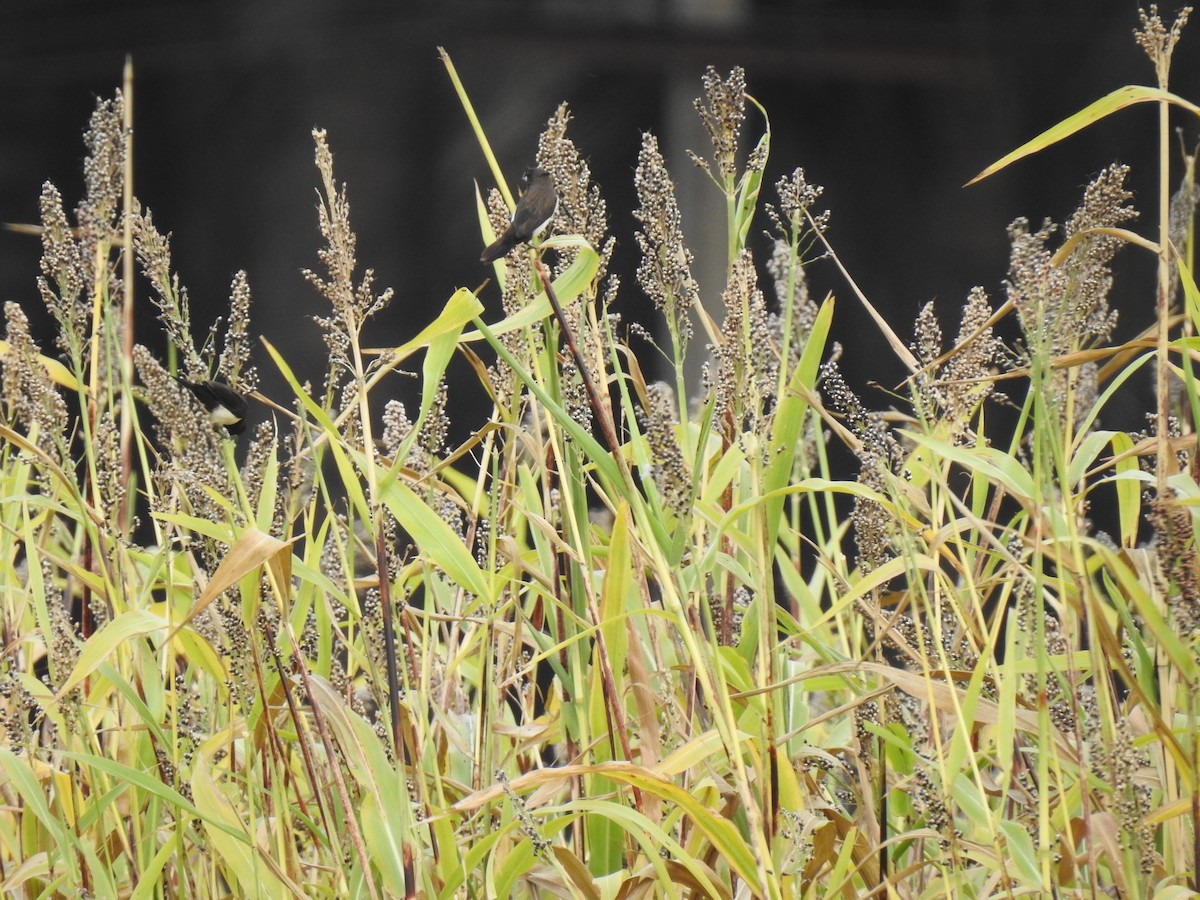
(529, 217)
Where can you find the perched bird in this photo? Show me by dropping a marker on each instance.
(534, 211)
(225, 406)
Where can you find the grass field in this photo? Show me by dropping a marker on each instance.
(632, 639)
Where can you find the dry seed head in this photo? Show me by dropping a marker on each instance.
(63, 259)
(791, 290)
(66, 263)
(1179, 564)
(927, 335)
(980, 348)
(110, 478)
(29, 394)
(69, 256)
(926, 347)
(103, 171)
(1104, 205)
(672, 475)
(581, 208)
(396, 427)
(574, 394)
(62, 642)
(232, 365)
(788, 277)
(665, 271)
(352, 303)
(748, 363)
(436, 426)
(796, 199)
(153, 252)
(192, 458)
(722, 110)
(1157, 41)
(879, 453)
(954, 390)
(1065, 307)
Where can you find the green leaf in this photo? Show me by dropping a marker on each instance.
(253, 877)
(966, 794)
(104, 643)
(569, 285)
(150, 878)
(789, 419)
(441, 339)
(437, 542)
(476, 125)
(654, 840)
(20, 777)
(152, 784)
(1147, 605)
(1094, 112)
(384, 842)
(1174, 892)
(515, 863)
(218, 531)
(1191, 294)
(1129, 490)
(1085, 455)
(720, 831)
(604, 837)
(461, 308)
(1020, 849)
(991, 462)
(265, 514)
(747, 200)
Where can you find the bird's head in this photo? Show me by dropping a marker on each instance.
(532, 174)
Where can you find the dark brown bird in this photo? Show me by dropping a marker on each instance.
(534, 211)
(226, 407)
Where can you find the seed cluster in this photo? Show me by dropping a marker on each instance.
(29, 395)
(665, 272)
(672, 474)
(722, 110)
(952, 391)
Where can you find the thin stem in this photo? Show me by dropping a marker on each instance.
(1164, 291)
(480, 135)
(599, 408)
(126, 438)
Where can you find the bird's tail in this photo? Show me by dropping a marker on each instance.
(498, 247)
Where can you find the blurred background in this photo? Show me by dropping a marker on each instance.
(892, 106)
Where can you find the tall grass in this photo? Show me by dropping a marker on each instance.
(624, 641)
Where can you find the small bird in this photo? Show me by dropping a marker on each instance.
(534, 211)
(226, 407)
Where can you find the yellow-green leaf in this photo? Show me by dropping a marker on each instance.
(58, 373)
(1094, 112)
(1129, 490)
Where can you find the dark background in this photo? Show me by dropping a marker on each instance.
(891, 106)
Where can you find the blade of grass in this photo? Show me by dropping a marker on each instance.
(1090, 114)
